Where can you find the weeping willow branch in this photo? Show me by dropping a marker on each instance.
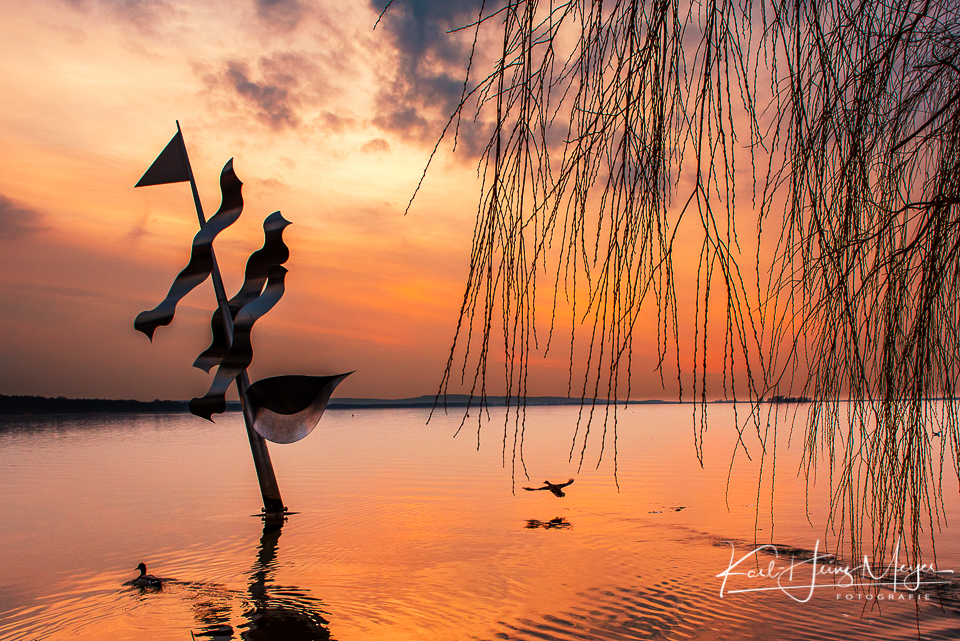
(621, 132)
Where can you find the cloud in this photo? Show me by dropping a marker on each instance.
(277, 15)
(335, 123)
(277, 91)
(429, 79)
(144, 14)
(18, 220)
(375, 146)
(273, 102)
(139, 229)
(69, 34)
(284, 15)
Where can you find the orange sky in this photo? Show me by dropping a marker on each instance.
(328, 121)
(92, 90)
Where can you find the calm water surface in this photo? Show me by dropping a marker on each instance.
(404, 532)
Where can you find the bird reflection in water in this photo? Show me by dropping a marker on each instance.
(271, 611)
(558, 523)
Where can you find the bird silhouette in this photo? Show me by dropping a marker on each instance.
(555, 488)
(146, 580)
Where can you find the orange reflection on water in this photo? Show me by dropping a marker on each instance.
(401, 532)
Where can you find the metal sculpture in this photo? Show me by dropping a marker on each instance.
(282, 409)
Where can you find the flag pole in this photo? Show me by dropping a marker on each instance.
(269, 489)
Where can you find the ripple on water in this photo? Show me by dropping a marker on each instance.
(402, 533)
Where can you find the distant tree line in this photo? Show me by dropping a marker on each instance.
(43, 405)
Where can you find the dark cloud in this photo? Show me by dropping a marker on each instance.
(284, 15)
(18, 220)
(429, 79)
(274, 103)
(277, 90)
(375, 146)
(403, 118)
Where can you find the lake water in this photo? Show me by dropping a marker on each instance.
(403, 532)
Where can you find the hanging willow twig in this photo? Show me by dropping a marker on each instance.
(621, 127)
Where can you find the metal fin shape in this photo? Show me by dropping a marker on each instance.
(170, 166)
(201, 255)
(273, 252)
(287, 408)
(241, 352)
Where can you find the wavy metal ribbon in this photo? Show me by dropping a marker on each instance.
(287, 408)
(273, 252)
(241, 352)
(201, 255)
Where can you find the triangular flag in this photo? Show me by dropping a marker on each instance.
(169, 167)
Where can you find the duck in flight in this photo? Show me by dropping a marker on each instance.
(555, 488)
(146, 580)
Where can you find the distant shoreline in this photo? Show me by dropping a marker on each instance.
(43, 405)
(30, 405)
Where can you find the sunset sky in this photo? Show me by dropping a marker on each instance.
(328, 120)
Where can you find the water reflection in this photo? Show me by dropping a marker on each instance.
(270, 611)
(558, 523)
(275, 611)
(449, 553)
(214, 613)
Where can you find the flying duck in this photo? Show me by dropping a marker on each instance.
(555, 488)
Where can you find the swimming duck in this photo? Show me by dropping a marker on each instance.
(555, 488)
(146, 580)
